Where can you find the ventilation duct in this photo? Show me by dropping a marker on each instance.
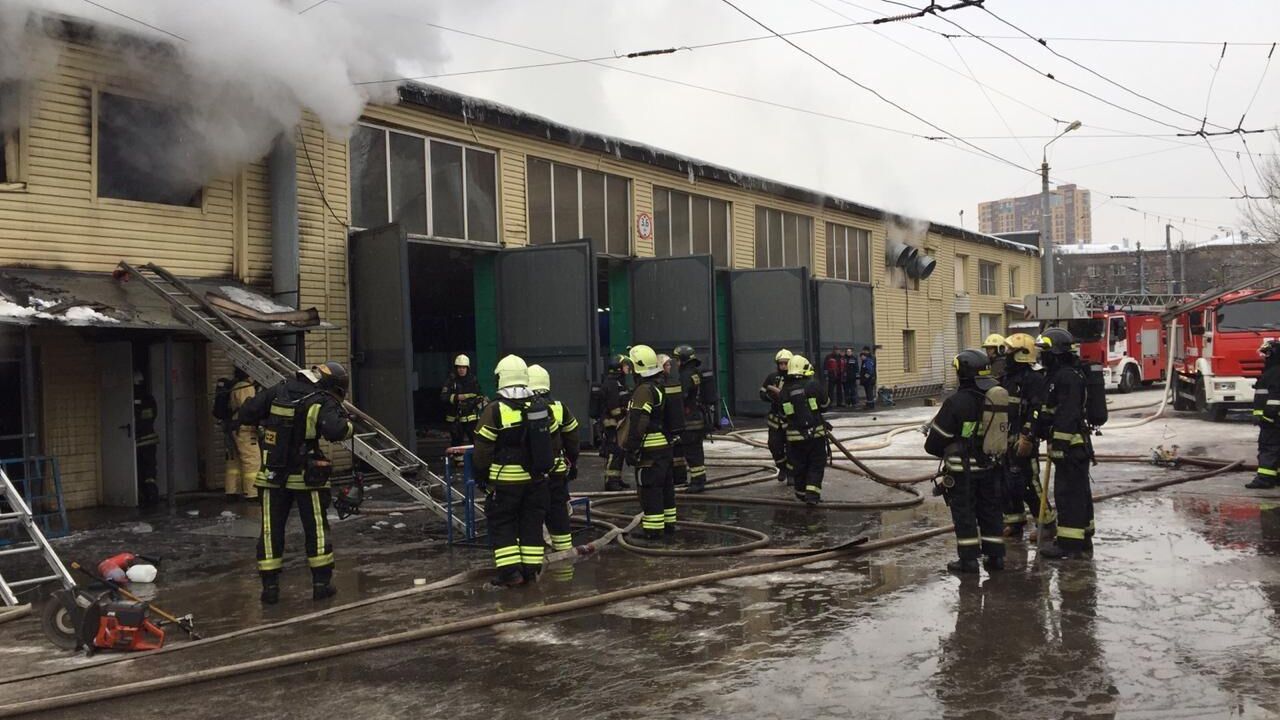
(921, 267)
(898, 254)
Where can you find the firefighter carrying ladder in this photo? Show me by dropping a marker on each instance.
(15, 511)
(372, 442)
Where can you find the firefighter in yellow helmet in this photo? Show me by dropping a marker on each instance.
(803, 399)
(995, 349)
(294, 417)
(771, 392)
(463, 401)
(564, 444)
(646, 437)
(1025, 385)
(513, 455)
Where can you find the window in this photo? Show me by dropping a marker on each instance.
(848, 253)
(1093, 271)
(962, 330)
(10, 124)
(687, 224)
(909, 351)
(568, 203)
(987, 273)
(1013, 282)
(962, 274)
(990, 324)
(147, 152)
(432, 187)
(783, 239)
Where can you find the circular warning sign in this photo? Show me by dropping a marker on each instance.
(644, 225)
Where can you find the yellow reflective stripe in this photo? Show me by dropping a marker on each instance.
(561, 542)
(508, 473)
(313, 417)
(320, 560)
(1070, 533)
(1269, 472)
(813, 489)
(968, 541)
(655, 521)
(319, 520)
(573, 425)
(1074, 438)
(280, 410)
(267, 554)
(1012, 519)
(655, 440)
(813, 403)
(940, 431)
(669, 515)
(966, 429)
(990, 539)
(507, 415)
(506, 556)
(788, 408)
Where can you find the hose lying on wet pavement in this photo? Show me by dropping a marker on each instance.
(483, 621)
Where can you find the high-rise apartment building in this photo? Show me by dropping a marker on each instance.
(1069, 210)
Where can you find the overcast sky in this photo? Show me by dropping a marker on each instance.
(920, 70)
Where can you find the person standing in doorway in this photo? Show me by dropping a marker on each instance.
(461, 394)
(831, 368)
(852, 373)
(616, 392)
(146, 441)
(246, 460)
(867, 375)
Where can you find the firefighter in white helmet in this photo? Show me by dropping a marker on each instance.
(463, 401)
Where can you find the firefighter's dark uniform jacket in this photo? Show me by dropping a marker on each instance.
(463, 398)
(691, 388)
(776, 417)
(616, 398)
(1025, 386)
(802, 403)
(646, 420)
(319, 414)
(956, 436)
(953, 432)
(1061, 415)
(565, 445)
(648, 444)
(564, 437)
(144, 419)
(1266, 411)
(1062, 422)
(500, 453)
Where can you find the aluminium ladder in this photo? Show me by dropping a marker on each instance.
(372, 442)
(17, 512)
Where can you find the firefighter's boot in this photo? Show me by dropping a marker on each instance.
(993, 564)
(270, 588)
(1261, 483)
(1054, 551)
(321, 588)
(963, 566)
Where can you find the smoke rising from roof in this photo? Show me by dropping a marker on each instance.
(244, 71)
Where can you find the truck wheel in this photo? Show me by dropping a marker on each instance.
(1179, 402)
(1128, 380)
(1202, 403)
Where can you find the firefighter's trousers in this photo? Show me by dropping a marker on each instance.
(1269, 452)
(689, 462)
(614, 458)
(312, 506)
(244, 463)
(1072, 493)
(808, 462)
(1022, 491)
(516, 512)
(976, 510)
(657, 493)
(778, 443)
(557, 521)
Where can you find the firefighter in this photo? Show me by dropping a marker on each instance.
(147, 441)
(994, 347)
(293, 417)
(1025, 385)
(1062, 422)
(564, 444)
(1266, 410)
(461, 395)
(771, 392)
(695, 422)
(673, 403)
(243, 467)
(513, 450)
(617, 394)
(803, 399)
(971, 485)
(647, 442)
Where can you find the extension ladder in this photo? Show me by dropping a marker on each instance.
(372, 442)
(17, 512)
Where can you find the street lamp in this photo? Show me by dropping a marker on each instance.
(1046, 238)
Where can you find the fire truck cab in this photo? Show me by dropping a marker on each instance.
(1131, 346)
(1216, 357)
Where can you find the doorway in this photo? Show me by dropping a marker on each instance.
(443, 323)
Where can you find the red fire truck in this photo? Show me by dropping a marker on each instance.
(1216, 357)
(1130, 344)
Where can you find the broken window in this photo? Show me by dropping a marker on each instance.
(147, 152)
(691, 225)
(432, 187)
(567, 203)
(783, 239)
(9, 127)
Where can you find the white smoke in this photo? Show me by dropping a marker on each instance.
(907, 230)
(244, 71)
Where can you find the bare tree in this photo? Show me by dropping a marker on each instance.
(1263, 216)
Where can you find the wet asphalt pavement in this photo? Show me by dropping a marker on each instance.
(1177, 616)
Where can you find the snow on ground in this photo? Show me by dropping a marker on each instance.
(253, 300)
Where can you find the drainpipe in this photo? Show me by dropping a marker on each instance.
(282, 173)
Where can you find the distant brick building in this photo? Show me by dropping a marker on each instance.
(1115, 268)
(1069, 209)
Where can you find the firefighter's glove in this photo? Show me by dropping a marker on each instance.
(573, 473)
(1025, 447)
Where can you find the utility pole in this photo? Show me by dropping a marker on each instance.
(1168, 260)
(1142, 272)
(1046, 224)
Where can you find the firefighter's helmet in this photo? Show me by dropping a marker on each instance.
(644, 360)
(994, 342)
(511, 371)
(332, 378)
(617, 362)
(462, 361)
(539, 379)
(1056, 341)
(970, 364)
(784, 355)
(684, 353)
(1022, 347)
(798, 366)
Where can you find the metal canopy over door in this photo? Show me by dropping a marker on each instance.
(381, 338)
(769, 310)
(547, 315)
(844, 316)
(673, 302)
